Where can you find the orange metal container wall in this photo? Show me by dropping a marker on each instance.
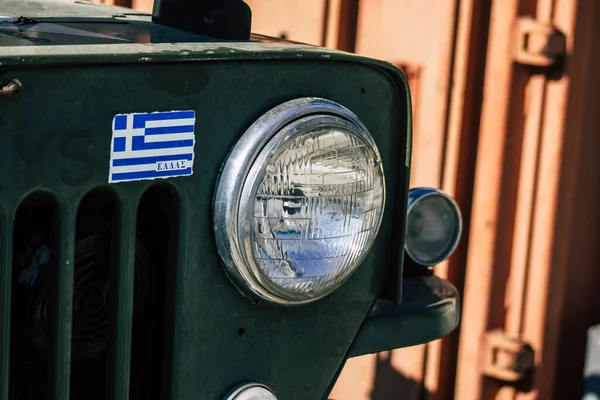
(522, 277)
(298, 20)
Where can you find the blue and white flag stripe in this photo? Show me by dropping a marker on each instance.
(152, 145)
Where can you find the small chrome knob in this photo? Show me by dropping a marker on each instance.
(251, 391)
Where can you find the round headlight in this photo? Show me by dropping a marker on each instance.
(433, 226)
(299, 202)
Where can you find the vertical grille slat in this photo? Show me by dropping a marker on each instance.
(5, 301)
(62, 306)
(122, 293)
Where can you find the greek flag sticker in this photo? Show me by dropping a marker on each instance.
(152, 145)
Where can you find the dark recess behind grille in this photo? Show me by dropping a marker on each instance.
(157, 229)
(34, 238)
(97, 236)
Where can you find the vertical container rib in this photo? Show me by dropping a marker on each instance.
(62, 306)
(5, 301)
(122, 293)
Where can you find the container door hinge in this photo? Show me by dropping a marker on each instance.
(539, 44)
(507, 358)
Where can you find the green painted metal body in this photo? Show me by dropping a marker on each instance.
(55, 137)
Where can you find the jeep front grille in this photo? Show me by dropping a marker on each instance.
(87, 295)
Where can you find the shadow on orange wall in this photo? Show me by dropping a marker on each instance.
(389, 384)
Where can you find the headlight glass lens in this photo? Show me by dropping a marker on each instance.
(299, 202)
(315, 212)
(433, 227)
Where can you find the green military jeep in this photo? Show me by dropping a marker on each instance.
(189, 211)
